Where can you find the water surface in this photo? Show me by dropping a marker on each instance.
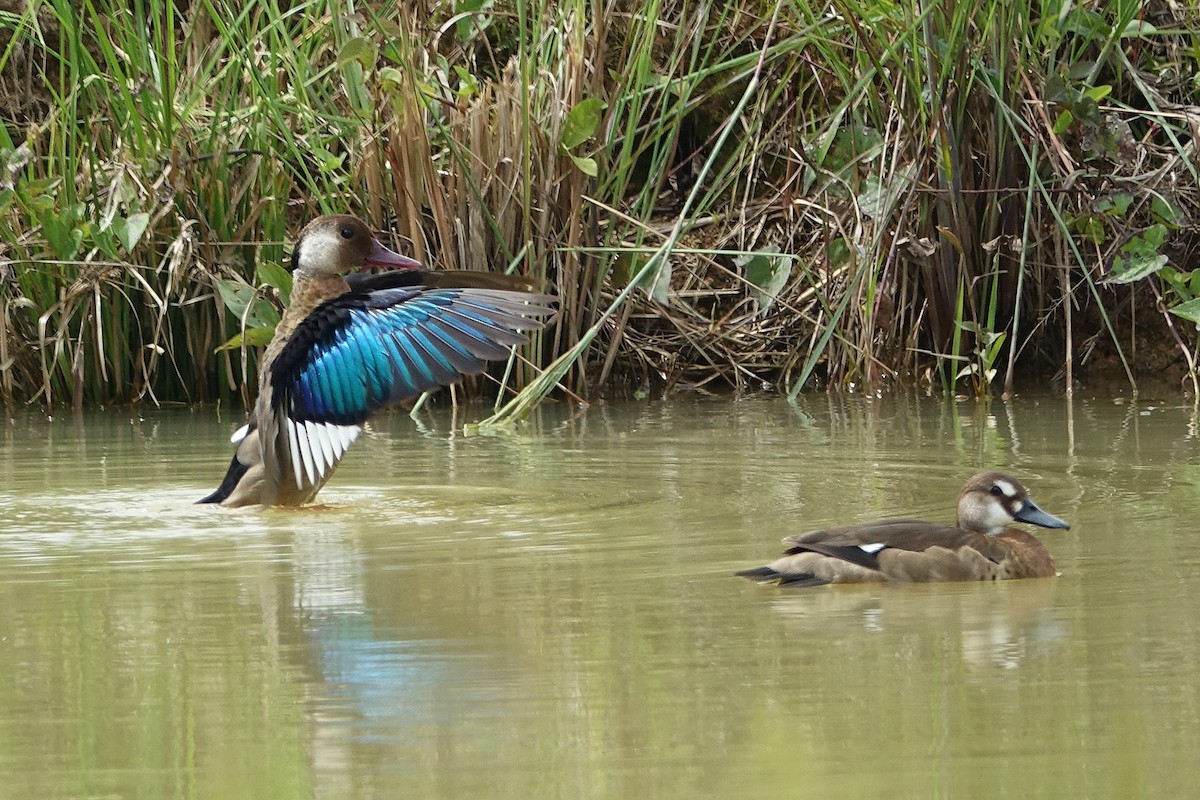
(552, 613)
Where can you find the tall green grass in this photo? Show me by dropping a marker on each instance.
(740, 194)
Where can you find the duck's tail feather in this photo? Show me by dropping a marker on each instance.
(794, 580)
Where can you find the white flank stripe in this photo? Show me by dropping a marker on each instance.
(314, 443)
(239, 434)
(291, 435)
(872, 548)
(349, 436)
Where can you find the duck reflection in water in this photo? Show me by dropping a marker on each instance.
(993, 626)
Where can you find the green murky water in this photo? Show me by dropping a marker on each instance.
(552, 614)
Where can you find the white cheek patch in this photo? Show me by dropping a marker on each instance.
(997, 517)
(318, 251)
(1006, 487)
(872, 549)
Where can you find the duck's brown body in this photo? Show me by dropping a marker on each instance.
(342, 351)
(980, 547)
(253, 488)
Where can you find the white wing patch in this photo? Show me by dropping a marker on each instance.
(872, 549)
(317, 447)
(317, 443)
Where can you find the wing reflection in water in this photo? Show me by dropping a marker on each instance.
(371, 681)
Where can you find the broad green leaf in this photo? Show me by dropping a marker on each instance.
(263, 314)
(585, 165)
(1115, 205)
(389, 29)
(129, 229)
(1128, 270)
(468, 84)
(1063, 121)
(1189, 310)
(1085, 23)
(767, 272)
(1148, 241)
(252, 337)
(1090, 228)
(1055, 89)
(61, 233)
(358, 49)
(1080, 70)
(625, 266)
(1166, 212)
(838, 252)
(1048, 34)
(660, 283)
(40, 187)
(395, 47)
(991, 344)
(581, 123)
(873, 197)
(466, 10)
(37, 204)
(238, 296)
(969, 326)
(278, 278)
(106, 242)
(1175, 279)
(327, 161)
(1138, 28)
(1139, 256)
(852, 145)
(391, 75)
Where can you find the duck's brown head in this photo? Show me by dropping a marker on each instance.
(990, 501)
(338, 243)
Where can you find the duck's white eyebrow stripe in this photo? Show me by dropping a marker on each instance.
(1008, 489)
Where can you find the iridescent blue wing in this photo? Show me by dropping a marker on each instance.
(364, 350)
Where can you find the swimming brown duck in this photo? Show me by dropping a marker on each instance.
(344, 350)
(979, 547)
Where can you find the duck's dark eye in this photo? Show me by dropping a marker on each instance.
(347, 232)
(996, 490)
